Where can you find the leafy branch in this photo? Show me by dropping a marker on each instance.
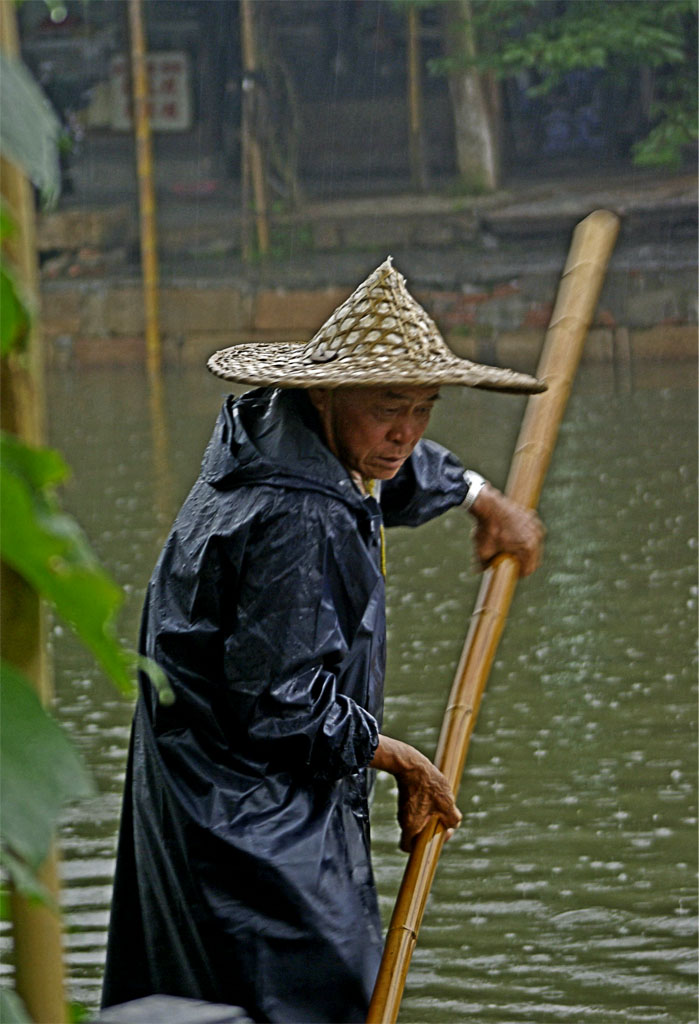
(42, 548)
(616, 38)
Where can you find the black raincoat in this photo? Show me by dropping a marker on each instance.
(243, 871)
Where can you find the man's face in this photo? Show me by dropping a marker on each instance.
(372, 431)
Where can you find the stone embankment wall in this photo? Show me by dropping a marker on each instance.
(101, 322)
(492, 297)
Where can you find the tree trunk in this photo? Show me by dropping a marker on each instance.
(477, 156)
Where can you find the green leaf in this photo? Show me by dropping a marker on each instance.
(30, 128)
(14, 316)
(157, 677)
(12, 1009)
(40, 770)
(48, 549)
(4, 905)
(8, 228)
(41, 468)
(78, 1013)
(25, 880)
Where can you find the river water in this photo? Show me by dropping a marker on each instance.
(569, 892)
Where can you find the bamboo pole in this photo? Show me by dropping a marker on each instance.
(146, 189)
(149, 256)
(578, 292)
(415, 118)
(163, 488)
(252, 161)
(36, 929)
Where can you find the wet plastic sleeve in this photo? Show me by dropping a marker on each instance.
(287, 661)
(428, 484)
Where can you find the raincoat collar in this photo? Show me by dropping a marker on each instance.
(274, 436)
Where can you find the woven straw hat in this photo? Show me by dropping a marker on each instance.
(379, 336)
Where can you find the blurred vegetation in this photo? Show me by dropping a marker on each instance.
(639, 47)
(44, 547)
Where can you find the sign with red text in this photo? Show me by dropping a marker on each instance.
(169, 92)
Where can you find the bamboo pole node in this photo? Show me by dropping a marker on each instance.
(409, 931)
(565, 319)
(467, 709)
(528, 446)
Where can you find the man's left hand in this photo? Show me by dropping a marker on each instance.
(504, 527)
(422, 789)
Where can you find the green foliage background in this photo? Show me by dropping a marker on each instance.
(619, 38)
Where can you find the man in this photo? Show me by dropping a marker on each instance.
(243, 872)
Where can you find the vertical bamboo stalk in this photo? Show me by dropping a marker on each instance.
(163, 489)
(253, 164)
(246, 241)
(146, 190)
(577, 297)
(149, 255)
(36, 930)
(415, 116)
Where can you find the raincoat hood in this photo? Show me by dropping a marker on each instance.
(274, 436)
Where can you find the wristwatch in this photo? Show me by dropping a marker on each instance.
(476, 483)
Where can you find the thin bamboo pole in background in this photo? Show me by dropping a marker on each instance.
(418, 171)
(36, 929)
(149, 258)
(579, 289)
(253, 172)
(146, 189)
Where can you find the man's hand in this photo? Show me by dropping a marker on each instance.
(422, 790)
(504, 527)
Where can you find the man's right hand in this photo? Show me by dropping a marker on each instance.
(506, 527)
(422, 789)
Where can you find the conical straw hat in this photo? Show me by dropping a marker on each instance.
(379, 336)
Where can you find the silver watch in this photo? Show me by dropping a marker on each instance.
(476, 483)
